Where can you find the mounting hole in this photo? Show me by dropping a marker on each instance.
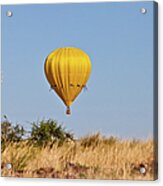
(142, 170)
(143, 10)
(8, 166)
(9, 13)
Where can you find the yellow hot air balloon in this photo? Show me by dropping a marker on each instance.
(67, 71)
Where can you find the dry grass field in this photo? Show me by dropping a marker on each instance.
(91, 157)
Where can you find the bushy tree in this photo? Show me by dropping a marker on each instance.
(11, 133)
(48, 131)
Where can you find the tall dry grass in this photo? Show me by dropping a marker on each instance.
(91, 157)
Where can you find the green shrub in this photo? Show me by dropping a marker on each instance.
(48, 131)
(10, 132)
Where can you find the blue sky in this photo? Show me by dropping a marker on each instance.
(119, 41)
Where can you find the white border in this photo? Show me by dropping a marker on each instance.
(60, 1)
(56, 182)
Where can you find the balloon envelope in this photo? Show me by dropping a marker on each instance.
(67, 71)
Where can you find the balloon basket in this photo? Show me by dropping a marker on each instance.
(68, 112)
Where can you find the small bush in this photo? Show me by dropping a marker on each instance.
(48, 131)
(10, 132)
